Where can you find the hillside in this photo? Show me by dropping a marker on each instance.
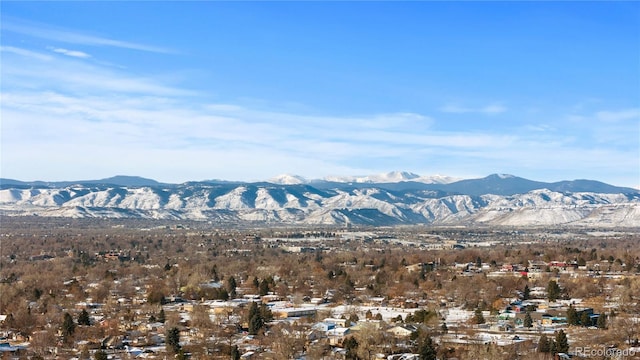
(494, 200)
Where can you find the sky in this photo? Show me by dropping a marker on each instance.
(187, 91)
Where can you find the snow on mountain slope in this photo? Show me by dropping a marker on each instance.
(304, 204)
(265, 200)
(14, 195)
(234, 200)
(288, 179)
(622, 215)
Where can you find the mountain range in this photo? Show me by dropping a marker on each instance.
(396, 198)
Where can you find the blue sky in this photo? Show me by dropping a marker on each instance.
(181, 91)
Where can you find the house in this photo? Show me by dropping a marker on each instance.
(508, 267)
(403, 330)
(5, 347)
(294, 312)
(338, 322)
(323, 326)
(407, 356)
(337, 335)
(212, 284)
(558, 265)
(548, 319)
(537, 266)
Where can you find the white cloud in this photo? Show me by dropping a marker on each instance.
(610, 128)
(491, 109)
(72, 53)
(63, 118)
(68, 36)
(619, 115)
(71, 75)
(25, 53)
(539, 127)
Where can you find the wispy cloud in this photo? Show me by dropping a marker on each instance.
(25, 53)
(73, 37)
(490, 109)
(92, 120)
(611, 128)
(36, 70)
(620, 115)
(146, 130)
(539, 127)
(72, 53)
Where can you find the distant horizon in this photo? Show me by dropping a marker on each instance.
(308, 179)
(179, 91)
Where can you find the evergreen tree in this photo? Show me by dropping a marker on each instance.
(172, 339)
(562, 343)
(526, 293)
(231, 283)
(181, 355)
(37, 293)
(100, 355)
(265, 313)
(543, 344)
(253, 310)
(444, 328)
(223, 294)
(585, 319)
(214, 273)
(83, 318)
(255, 318)
(478, 317)
(235, 353)
(528, 322)
(553, 290)
(427, 350)
(255, 324)
(351, 345)
(264, 288)
(231, 287)
(572, 316)
(161, 317)
(68, 327)
(353, 318)
(602, 321)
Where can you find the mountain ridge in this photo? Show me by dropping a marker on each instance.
(496, 200)
(120, 180)
(500, 184)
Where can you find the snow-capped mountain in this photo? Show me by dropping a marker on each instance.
(383, 178)
(393, 177)
(288, 179)
(494, 200)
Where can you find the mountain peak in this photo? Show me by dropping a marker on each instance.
(502, 176)
(126, 180)
(288, 179)
(399, 175)
(390, 177)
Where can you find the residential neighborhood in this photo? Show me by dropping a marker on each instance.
(176, 291)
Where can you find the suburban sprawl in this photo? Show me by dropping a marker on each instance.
(125, 289)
